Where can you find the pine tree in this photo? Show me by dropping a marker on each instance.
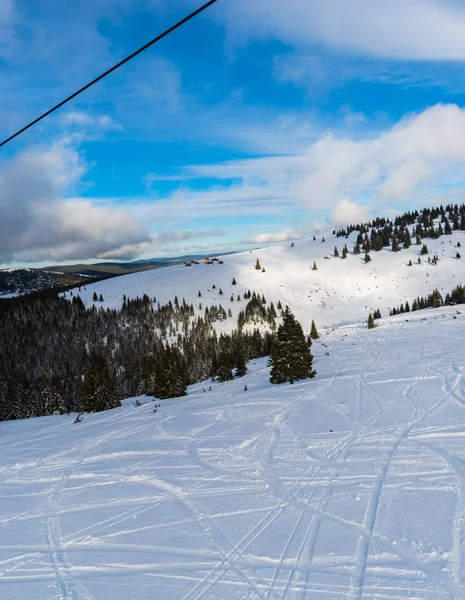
(224, 372)
(424, 249)
(367, 257)
(171, 375)
(371, 322)
(95, 297)
(314, 268)
(344, 252)
(314, 332)
(258, 266)
(436, 299)
(241, 359)
(98, 390)
(234, 282)
(336, 252)
(290, 357)
(407, 239)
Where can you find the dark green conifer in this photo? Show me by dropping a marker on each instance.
(371, 322)
(314, 332)
(290, 358)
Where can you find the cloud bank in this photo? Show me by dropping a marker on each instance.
(395, 29)
(415, 162)
(38, 221)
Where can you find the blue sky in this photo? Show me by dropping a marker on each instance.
(257, 122)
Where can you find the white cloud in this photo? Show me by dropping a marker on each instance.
(86, 121)
(276, 237)
(38, 222)
(404, 165)
(400, 29)
(421, 152)
(347, 212)
(8, 19)
(161, 240)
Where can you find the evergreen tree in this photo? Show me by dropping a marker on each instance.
(98, 390)
(314, 268)
(313, 331)
(424, 249)
(371, 322)
(171, 375)
(336, 252)
(290, 358)
(258, 266)
(225, 367)
(436, 299)
(95, 297)
(241, 357)
(407, 239)
(344, 252)
(367, 257)
(234, 282)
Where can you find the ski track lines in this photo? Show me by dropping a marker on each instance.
(227, 495)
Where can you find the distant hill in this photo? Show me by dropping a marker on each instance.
(339, 292)
(104, 269)
(18, 282)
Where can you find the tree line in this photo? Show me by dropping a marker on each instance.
(57, 356)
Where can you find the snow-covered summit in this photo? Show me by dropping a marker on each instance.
(341, 291)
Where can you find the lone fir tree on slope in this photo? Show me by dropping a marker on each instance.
(290, 359)
(314, 332)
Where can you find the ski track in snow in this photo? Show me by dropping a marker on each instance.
(349, 486)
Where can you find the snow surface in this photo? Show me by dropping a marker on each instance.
(347, 486)
(340, 292)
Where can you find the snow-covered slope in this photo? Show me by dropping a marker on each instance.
(341, 291)
(350, 485)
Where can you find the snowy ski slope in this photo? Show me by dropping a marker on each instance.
(348, 486)
(340, 292)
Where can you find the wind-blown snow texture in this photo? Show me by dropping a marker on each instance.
(347, 486)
